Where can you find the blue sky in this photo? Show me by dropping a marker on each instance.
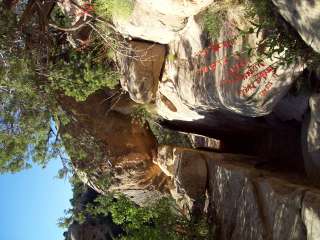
(31, 203)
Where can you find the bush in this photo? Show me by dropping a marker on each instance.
(109, 8)
(157, 221)
(160, 220)
(280, 40)
(168, 137)
(80, 76)
(213, 23)
(142, 114)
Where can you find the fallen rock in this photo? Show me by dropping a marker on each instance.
(141, 67)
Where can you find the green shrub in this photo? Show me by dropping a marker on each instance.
(169, 137)
(213, 22)
(80, 76)
(118, 8)
(158, 221)
(279, 39)
(142, 114)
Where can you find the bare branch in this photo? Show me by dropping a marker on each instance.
(70, 29)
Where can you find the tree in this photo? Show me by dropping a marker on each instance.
(24, 104)
(30, 79)
(24, 117)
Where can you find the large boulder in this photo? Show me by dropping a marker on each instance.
(220, 75)
(246, 201)
(311, 214)
(304, 16)
(141, 68)
(115, 145)
(158, 21)
(311, 139)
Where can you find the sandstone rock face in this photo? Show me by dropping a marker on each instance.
(304, 16)
(314, 126)
(159, 21)
(127, 148)
(245, 202)
(199, 141)
(207, 75)
(311, 214)
(187, 170)
(141, 70)
(311, 139)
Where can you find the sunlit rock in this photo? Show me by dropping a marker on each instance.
(304, 16)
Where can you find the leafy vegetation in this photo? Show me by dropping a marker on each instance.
(161, 220)
(279, 40)
(109, 8)
(168, 137)
(79, 75)
(213, 22)
(142, 114)
(30, 78)
(24, 114)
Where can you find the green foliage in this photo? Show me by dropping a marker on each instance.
(80, 75)
(71, 214)
(8, 31)
(157, 221)
(279, 40)
(168, 137)
(171, 57)
(213, 21)
(160, 220)
(24, 117)
(118, 8)
(142, 114)
(59, 18)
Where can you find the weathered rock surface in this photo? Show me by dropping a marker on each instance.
(141, 69)
(199, 141)
(304, 16)
(159, 21)
(311, 139)
(207, 76)
(127, 148)
(245, 202)
(314, 126)
(311, 214)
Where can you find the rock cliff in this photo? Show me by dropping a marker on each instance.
(246, 199)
